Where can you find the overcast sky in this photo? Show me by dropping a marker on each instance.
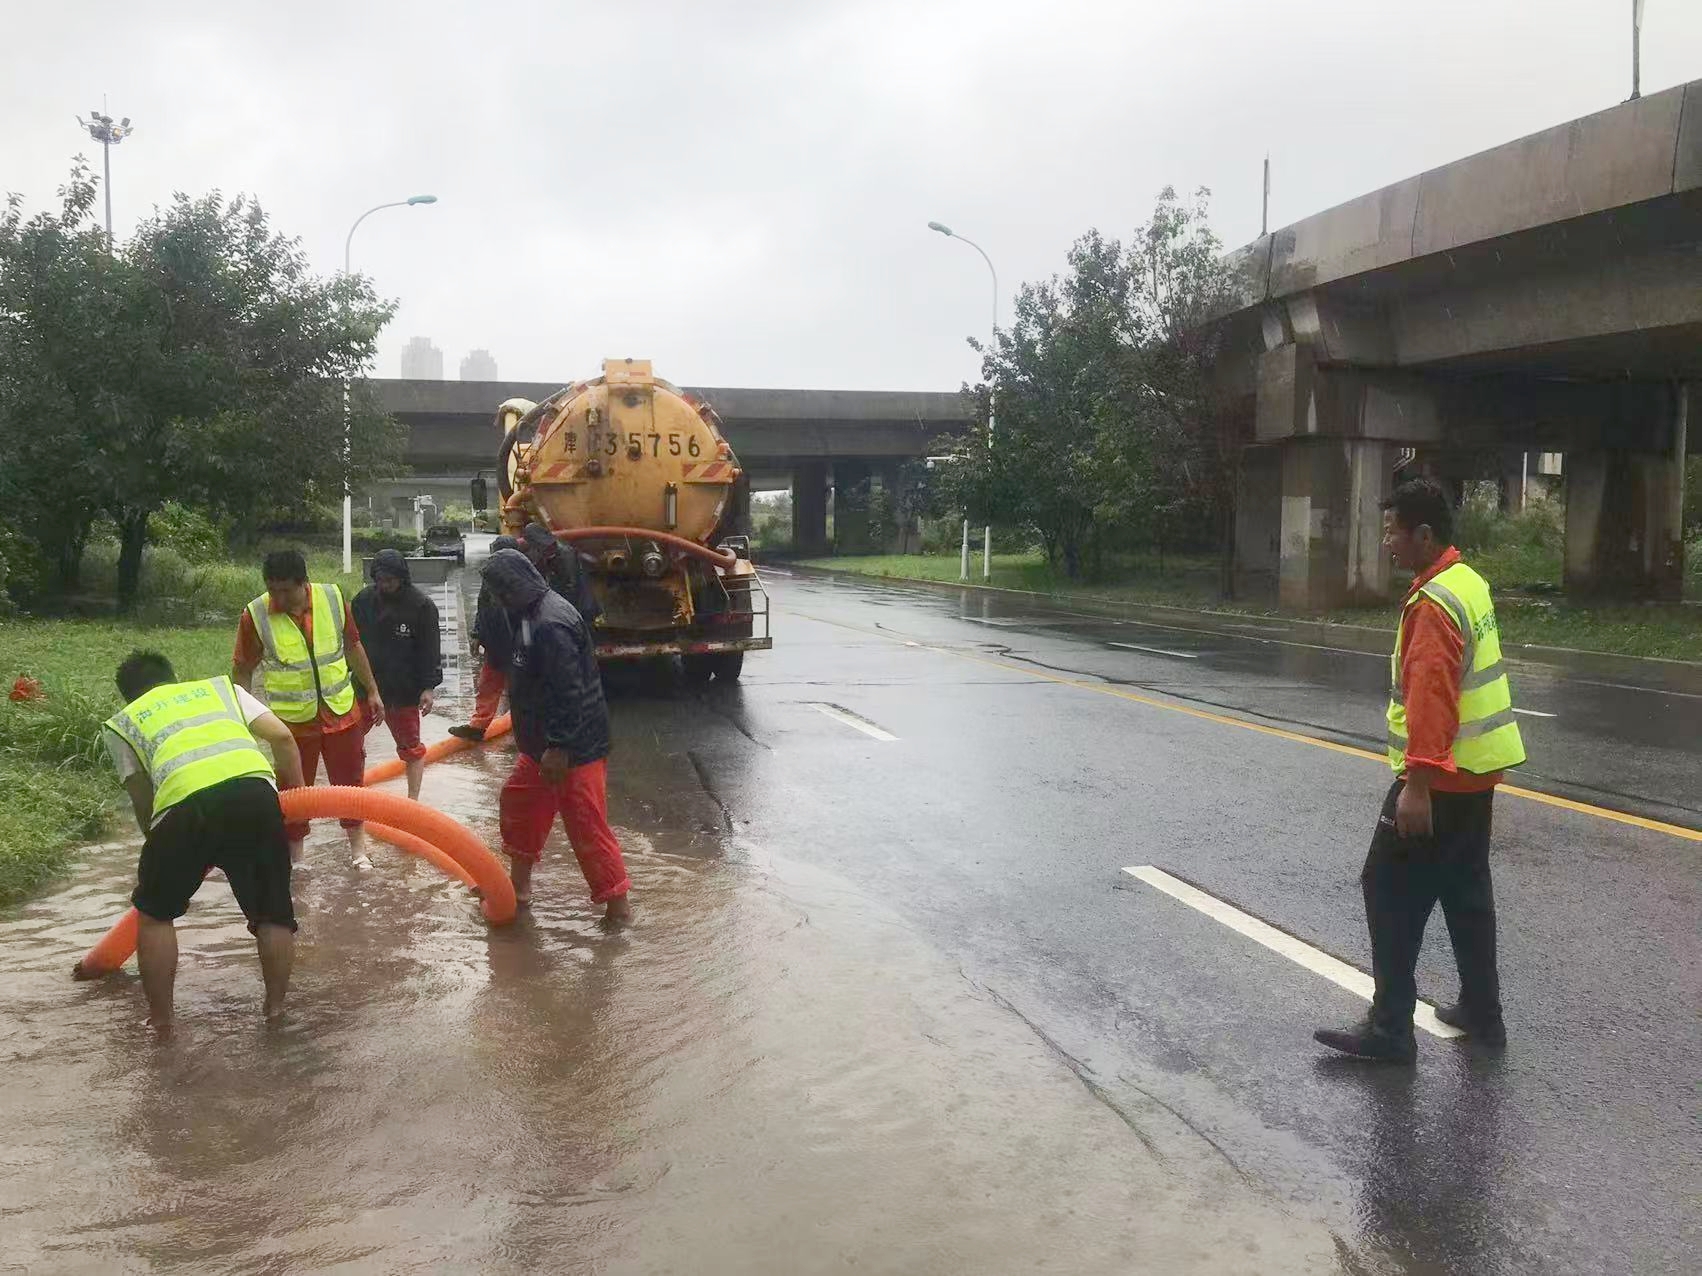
(740, 189)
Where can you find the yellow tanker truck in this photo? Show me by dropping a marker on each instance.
(635, 476)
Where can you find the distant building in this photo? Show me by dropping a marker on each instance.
(478, 366)
(422, 361)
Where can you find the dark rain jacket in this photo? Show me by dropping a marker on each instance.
(554, 689)
(400, 634)
(490, 621)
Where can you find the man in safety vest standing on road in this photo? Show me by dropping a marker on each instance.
(204, 796)
(303, 639)
(1451, 736)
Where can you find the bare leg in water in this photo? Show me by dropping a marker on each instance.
(414, 769)
(277, 957)
(156, 956)
(520, 871)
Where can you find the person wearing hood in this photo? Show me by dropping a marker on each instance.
(561, 724)
(491, 639)
(559, 565)
(399, 628)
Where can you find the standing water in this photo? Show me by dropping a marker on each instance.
(769, 1073)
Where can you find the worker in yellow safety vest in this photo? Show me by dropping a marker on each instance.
(1451, 736)
(205, 797)
(301, 638)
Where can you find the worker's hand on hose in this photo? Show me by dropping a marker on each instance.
(427, 699)
(554, 765)
(1412, 810)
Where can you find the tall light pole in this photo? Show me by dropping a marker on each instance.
(348, 491)
(993, 338)
(100, 126)
(1636, 49)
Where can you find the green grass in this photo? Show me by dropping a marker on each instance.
(1672, 633)
(60, 790)
(176, 591)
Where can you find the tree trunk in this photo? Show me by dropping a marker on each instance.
(69, 558)
(1226, 547)
(132, 539)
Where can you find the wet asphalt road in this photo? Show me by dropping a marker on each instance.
(987, 769)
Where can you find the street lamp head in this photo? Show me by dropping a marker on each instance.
(422, 199)
(943, 229)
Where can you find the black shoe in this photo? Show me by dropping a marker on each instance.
(1365, 1040)
(1490, 1031)
(468, 732)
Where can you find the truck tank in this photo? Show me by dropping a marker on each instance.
(636, 477)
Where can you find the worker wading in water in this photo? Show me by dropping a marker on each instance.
(1451, 736)
(205, 797)
(303, 640)
(561, 724)
(491, 641)
(400, 632)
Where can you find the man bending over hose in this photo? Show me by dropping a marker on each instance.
(205, 797)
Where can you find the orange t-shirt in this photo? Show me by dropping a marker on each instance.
(1432, 653)
(249, 652)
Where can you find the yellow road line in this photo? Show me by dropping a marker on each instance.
(1205, 715)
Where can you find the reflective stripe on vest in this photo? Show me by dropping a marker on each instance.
(1488, 738)
(189, 736)
(293, 678)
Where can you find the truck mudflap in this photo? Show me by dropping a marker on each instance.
(680, 647)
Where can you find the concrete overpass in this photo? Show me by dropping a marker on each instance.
(851, 443)
(1545, 295)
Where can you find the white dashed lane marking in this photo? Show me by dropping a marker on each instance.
(852, 720)
(1297, 951)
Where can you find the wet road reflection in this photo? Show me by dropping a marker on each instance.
(769, 1073)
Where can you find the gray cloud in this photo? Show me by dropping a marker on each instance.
(740, 190)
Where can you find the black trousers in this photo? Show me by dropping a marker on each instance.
(1406, 877)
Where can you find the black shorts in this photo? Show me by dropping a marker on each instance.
(236, 826)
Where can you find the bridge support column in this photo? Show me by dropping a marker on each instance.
(851, 531)
(809, 508)
(1625, 517)
(1309, 524)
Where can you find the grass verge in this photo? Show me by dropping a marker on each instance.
(1664, 632)
(60, 789)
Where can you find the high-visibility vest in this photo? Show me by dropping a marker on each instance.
(189, 736)
(1488, 736)
(295, 679)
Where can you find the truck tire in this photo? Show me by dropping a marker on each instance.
(723, 666)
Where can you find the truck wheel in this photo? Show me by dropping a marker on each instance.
(698, 669)
(728, 665)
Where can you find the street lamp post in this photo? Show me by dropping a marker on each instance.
(987, 531)
(348, 491)
(100, 126)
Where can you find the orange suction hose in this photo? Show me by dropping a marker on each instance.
(451, 838)
(720, 557)
(392, 767)
(416, 845)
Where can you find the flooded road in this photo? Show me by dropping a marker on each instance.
(892, 1004)
(769, 1073)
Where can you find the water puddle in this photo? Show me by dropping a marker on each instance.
(769, 1073)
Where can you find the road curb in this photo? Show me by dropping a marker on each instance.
(1683, 675)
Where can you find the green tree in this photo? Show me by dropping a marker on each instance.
(203, 364)
(1060, 456)
(1192, 438)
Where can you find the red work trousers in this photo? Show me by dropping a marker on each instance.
(530, 805)
(345, 762)
(492, 683)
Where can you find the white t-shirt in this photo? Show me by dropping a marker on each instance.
(128, 764)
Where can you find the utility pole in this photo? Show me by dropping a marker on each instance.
(1636, 49)
(1265, 208)
(100, 126)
